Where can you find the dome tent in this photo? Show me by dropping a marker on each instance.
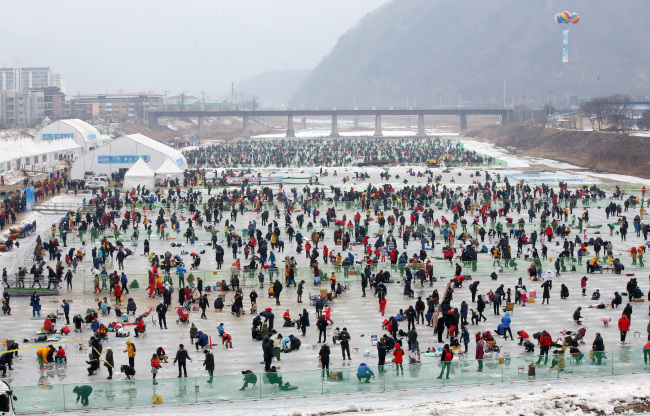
(139, 174)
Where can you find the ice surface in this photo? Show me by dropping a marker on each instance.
(361, 317)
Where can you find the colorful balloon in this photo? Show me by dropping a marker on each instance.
(566, 17)
(558, 18)
(574, 18)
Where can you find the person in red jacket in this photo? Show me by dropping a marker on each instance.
(445, 357)
(398, 353)
(549, 233)
(545, 342)
(155, 365)
(382, 306)
(623, 326)
(117, 290)
(646, 352)
(523, 337)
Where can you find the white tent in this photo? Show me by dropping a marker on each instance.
(169, 170)
(139, 174)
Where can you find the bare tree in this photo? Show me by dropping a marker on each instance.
(619, 107)
(616, 107)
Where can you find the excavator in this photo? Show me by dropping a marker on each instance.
(434, 163)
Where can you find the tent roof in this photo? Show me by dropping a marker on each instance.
(140, 169)
(168, 168)
(157, 146)
(83, 127)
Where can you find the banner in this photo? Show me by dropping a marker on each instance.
(565, 46)
(29, 198)
(254, 180)
(59, 136)
(122, 158)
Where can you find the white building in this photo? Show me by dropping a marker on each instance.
(21, 79)
(121, 154)
(81, 132)
(21, 109)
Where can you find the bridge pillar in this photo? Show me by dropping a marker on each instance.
(201, 132)
(246, 133)
(356, 122)
(378, 125)
(421, 132)
(335, 126)
(304, 122)
(463, 124)
(291, 132)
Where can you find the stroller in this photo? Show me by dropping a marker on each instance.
(178, 261)
(183, 315)
(578, 337)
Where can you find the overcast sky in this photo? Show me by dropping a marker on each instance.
(172, 45)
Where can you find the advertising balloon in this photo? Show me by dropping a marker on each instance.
(574, 18)
(558, 18)
(566, 17)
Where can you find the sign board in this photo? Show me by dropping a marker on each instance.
(236, 180)
(122, 158)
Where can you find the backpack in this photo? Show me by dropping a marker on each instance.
(448, 356)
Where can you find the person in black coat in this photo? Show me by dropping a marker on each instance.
(547, 291)
(128, 371)
(599, 348)
(480, 307)
(381, 354)
(267, 348)
(627, 311)
(304, 321)
(474, 288)
(167, 295)
(203, 304)
(324, 355)
(277, 289)
(161, 310)
(321, 324)
(440, 328)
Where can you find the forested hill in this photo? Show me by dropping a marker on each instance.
(436, 50)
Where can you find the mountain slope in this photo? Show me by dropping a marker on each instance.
(436, 50)
(274, 88)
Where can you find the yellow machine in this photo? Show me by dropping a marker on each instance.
(434, 163)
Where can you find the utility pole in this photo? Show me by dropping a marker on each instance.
(232, 94)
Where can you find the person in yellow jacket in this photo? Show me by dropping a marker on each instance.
(44, 353)
(130, 350)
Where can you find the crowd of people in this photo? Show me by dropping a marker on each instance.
(264, 233)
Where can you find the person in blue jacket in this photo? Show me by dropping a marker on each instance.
(364, 373)
(202, 340)
(505, 321)
(181, 276)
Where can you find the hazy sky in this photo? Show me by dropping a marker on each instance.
(173, 45)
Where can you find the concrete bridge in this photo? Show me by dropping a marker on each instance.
(462, 114)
